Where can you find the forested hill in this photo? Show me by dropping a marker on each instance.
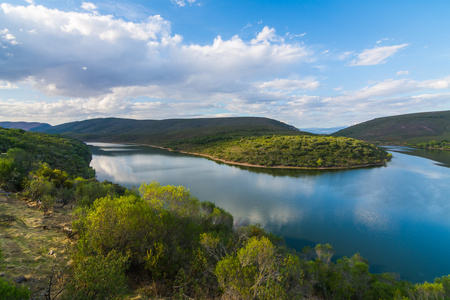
(159, 132)
(403, 129)
(28, 126)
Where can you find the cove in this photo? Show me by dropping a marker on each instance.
(397, 216)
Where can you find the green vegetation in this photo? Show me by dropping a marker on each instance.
(162, 242)
(433, 145)
(23, 152)
(254, 141)
(183, 248)
(410, 129)
(160, 132)
(289, 151)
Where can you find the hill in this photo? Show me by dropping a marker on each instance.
(250, 141)
(289, 151)
(28, 126)
(24, 151)
(403, 129)
(160, 132)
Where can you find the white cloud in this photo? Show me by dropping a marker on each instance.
(183, 3)
(8, 37)
(376, 56)
(266, 36)
(289, 85)
(91, 65)
(88, 6)
(30, 1)
(117, 53)
(400, 73)
(6, 85)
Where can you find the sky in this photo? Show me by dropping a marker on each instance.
(308, 63)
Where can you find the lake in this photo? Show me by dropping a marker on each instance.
(397, 216)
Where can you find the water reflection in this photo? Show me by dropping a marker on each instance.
(398, 217)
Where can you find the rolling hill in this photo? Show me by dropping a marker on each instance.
(160, 132)
(28, 126)
(402, 129)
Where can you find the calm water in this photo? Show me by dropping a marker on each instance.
(397, 217)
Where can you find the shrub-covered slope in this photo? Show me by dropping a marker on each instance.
(293, 151)
(22, 151)
(402, 129)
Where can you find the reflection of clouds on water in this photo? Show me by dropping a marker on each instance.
(115, 148)
(429, 174)
(373, 220)
(115, 169)
(279, 215)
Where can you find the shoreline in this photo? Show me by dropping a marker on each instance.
(260, 166)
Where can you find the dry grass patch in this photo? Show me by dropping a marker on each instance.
(34, 245)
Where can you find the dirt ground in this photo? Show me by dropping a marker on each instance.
(35, 245)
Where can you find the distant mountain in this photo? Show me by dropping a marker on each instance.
(402, 129)
(319, 130)
(28, 126)
(159, 132)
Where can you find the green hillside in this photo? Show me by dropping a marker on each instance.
(160, 132)
(25, 151)
(402, 129)
(289, 151)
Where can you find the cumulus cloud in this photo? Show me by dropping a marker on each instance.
(376, 56)
(90, 54)
(89, 65)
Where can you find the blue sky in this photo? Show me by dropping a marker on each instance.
(311, 64)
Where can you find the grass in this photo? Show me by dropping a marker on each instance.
(29, 249)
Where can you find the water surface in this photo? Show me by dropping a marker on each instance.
(397, 217)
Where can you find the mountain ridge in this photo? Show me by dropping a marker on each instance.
(402, 129)
(159, 132)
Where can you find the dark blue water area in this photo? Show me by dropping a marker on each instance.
(396, 216)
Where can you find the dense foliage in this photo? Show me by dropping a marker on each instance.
(23, 151)
(294, 151)
(433, 144)
(183, 248)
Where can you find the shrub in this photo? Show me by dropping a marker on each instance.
(99, 277)
(9, 291)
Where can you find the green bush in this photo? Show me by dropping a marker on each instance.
(9, 291)
(87, 191)
(14, 166)
(253, 273)
(99, 277)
